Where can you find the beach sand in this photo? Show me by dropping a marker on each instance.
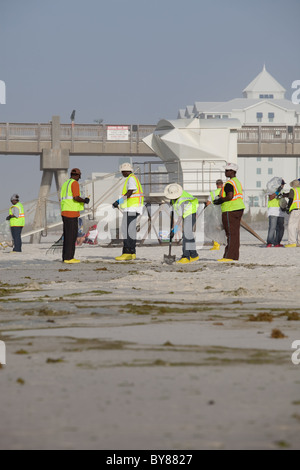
(142, 355)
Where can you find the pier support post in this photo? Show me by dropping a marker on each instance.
(54, 163)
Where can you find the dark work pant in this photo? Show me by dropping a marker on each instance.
(188, 240)
(16, 235)
(232, 225)
(129, 232)
(276, 230)
(70, 237)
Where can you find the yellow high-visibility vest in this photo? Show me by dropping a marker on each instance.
(296, 200)
(237, 202)
(214, 194)
(190, 202)
(137, 198)
(274, 203)
(67, 199)
(20, 221)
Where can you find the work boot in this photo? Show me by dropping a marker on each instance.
(215, 247)
(226, 260)
(194, 259)
(183, 261)
(269, 245)
(71, 261)
(124, 257)
(291, 245)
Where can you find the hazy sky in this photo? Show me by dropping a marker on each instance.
(133, 61)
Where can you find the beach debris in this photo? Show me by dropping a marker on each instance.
(277, 334)
(22, 352)
(54, 361)
(264, 316)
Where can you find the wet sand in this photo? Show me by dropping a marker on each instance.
(142, 355)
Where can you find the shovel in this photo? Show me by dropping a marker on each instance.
(170, 259)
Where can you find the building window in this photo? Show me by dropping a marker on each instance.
(258, 159)
(271, 117)
(259, 117)
(270, 171)
(258, 184)
(225, 116)
(270, 159)
(209, 116)
(258, 171)
(253, 201)
(266, 96)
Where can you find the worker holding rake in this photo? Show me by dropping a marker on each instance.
(185, 206)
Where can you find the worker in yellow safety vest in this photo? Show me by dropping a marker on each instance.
(232, 205)
(131, 203)
(293, 210)
(185, 206)
(71, 205)
(212, 196)
(276, 216)
(16, 219)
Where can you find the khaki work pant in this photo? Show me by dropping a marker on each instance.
(294, 227)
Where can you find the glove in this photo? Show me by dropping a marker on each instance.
(218, 201)
(118, 202)
(174, 231)
(279, 189)
(9, 217)
(87, 200)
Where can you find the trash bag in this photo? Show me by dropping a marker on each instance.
(273, 185)
(213, 226)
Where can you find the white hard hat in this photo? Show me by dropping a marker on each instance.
(126, 167)
(231, 166)
(173, 191)
(15, 197)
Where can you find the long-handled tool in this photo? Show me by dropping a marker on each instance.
(170, 259)
(250, 230)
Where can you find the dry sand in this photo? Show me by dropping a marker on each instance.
(107, 355)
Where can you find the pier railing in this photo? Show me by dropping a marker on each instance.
(99, 139)
(94, 132)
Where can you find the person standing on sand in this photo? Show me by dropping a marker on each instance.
(71, 205)
(131, 202)
(276, 218)
(17, 222)
(293, 209)
(232, 205)
(212, 197)
(185, 205)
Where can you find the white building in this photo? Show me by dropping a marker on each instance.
(263, 104)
